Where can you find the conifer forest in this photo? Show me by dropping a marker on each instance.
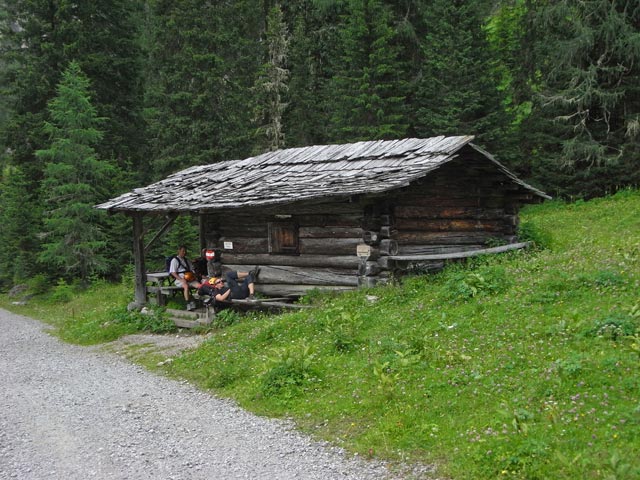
(100, 97)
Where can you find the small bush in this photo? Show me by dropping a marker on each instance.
(62, 292)
(602, 279)
(151, 320)
(570, 366)
(225, 318)
(615, 326)
(226, 374)
(343, 329)
(38, 283)
(91, 328)
(530, 232)
(495, 242)
(128, 276)
(468, 284)
(316, 296)
(293, 368)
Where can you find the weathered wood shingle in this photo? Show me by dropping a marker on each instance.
(300, 174)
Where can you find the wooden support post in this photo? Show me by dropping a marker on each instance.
(202, 230)
(170, 219)
(138, 254)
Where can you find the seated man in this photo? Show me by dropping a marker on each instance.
(182, 272)
(240, 285)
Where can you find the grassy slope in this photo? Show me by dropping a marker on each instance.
(518, 366)
(503, 368)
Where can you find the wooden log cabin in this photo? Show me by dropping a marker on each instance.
(340, 216)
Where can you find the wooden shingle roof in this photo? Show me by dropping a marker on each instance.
(299, 174)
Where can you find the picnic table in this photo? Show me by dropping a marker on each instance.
(161, 286)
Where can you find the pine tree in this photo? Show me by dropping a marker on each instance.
(75, 179)
(458, 92)
(592, 88)
(203, 64)
(369, 87)
(272, 84)
(20, 219)
(39, 39)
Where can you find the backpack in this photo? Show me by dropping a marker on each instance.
(167, 263)
(200, 267)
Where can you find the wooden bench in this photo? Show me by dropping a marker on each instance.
(161, 286)
(267, 303)
(403, 261)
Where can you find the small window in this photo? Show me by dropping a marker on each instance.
(283, 238)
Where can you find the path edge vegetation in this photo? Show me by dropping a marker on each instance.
(523, 365)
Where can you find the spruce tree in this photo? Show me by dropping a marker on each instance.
(31, 54)
(75, 179)
(104, 38)
(6, 64)
(184, 231)
(203, 65)
(592, 90)
(20, 219)
(39, 38)
(314, 44)
(369, 87)
(272, 85)
(458, 90)
(514, 40)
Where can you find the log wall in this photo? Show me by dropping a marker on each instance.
(449, 211)
(327, 244)
(465, 205)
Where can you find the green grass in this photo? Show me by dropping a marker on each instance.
(89, 316)
(523, 365)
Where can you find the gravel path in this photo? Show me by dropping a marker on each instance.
(68, 412)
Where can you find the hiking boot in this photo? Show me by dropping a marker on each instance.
(191, 306)
(255, 272)
(251, 298)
